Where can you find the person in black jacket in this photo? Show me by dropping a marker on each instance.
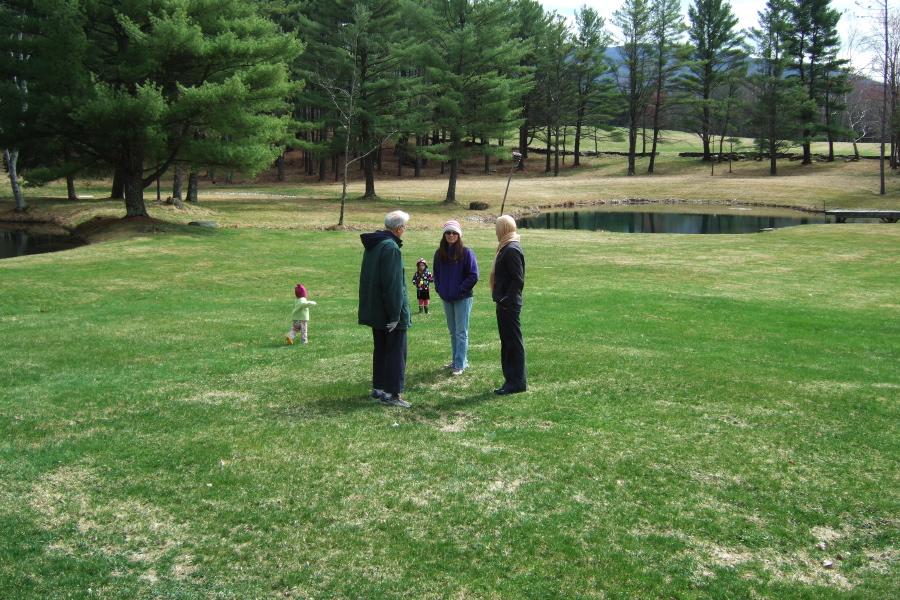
(507, 281)
(384, 306)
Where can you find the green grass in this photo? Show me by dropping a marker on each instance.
(672, 142)
(708, 417)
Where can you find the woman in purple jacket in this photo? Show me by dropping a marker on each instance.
(455, 274)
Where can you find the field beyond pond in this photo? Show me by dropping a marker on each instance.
(708, 417)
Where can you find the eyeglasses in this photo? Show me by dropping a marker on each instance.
(451, 233)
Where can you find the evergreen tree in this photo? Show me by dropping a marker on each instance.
(32, 38)
(472, 74)
(633, 71)
(530, 26)
(362, 42)
(814, 43)
(778, 97)
(669, 55)
(555, 79)
(591, 72)
(146, 83)
(717, 56)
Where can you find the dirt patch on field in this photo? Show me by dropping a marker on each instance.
(101, 229)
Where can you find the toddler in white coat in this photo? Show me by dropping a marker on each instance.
(300, 315)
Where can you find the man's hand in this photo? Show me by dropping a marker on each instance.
(392, 326)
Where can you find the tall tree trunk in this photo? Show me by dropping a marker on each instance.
(281, 166)
(455, 144)
(828, 127)
(193, 183)
(419, 141)
(369, 170)
(451, 186)
(705, 135)
(133, 176)
(773, 166)
(118, 185)
(632, 149)
(653, 149)
(70, 187)
(579, 122)
(523, 146)
(344, 178)
(556, 154)
(657, 112)
(547, 167)
(11, 157)
(178, 182)
(807, 149)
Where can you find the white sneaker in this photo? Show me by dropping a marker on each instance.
(457, 372)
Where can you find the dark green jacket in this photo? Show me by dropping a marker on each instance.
(383, 297)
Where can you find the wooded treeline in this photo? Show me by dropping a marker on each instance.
(140, 88)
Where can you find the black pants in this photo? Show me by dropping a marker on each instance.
(389, 360)
(512, 347)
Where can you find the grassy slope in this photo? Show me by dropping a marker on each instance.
(709, 417)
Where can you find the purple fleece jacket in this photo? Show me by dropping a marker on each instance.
(454, 281)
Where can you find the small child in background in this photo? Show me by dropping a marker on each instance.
(300, 315)
(422, 281)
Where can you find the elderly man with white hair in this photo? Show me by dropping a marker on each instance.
(384, 306)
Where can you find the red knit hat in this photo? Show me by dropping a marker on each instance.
(300, 291)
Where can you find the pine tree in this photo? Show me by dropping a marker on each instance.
(363, 42)
(147, 83)
(555, 78)
(591, 71)
(669, 55)
(717, 55)
(530, 24)
(472, 74)
(776, 112)
(814, 43)
(633, 71)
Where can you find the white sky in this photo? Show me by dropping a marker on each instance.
(745, 10)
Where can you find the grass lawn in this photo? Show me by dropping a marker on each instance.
(708, 417)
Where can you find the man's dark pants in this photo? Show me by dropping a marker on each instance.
(389, 360)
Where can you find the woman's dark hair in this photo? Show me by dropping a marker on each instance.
(443, 253)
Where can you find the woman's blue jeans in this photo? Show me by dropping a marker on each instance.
(457, 313)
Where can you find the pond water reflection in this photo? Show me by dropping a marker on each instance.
(672, 219)
(22, 242)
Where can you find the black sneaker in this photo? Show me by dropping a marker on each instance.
(376, 395)
(394, 400)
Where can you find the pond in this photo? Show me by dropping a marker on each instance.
(16, 241)
(672, 218)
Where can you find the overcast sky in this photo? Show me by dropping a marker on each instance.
(745, 10)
